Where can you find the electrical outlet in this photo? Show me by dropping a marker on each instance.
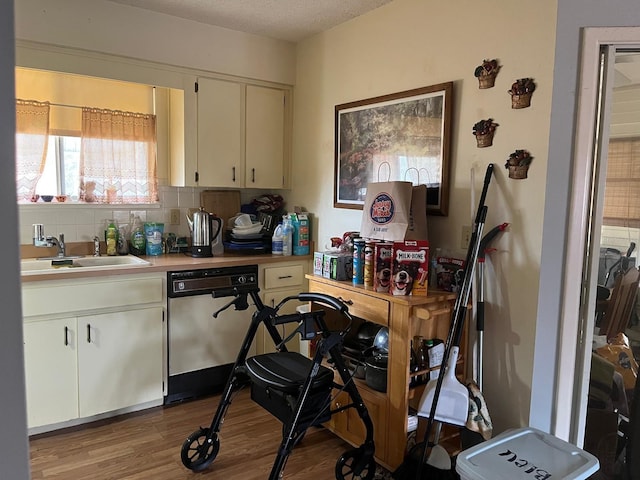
(465, 237)
(175, 216)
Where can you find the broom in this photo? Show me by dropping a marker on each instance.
(459, 309)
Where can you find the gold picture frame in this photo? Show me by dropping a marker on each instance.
(401, 136)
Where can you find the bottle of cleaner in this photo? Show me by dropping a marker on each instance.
(287, 236)
(112, 239)
(277, 240)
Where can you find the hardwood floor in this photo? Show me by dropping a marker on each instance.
(146, 445)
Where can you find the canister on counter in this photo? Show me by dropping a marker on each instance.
(368, 263)
(358, 261)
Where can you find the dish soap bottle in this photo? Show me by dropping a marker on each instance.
(112, 238)
(138, 241)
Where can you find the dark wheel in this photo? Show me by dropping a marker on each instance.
(355, 464)
(199, 450)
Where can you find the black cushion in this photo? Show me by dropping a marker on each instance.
(286, 371)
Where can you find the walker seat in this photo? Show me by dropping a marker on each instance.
(277, 380)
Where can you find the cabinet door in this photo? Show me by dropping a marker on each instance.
(50, 354)
(265, 130)
(348, 424)
(219, 133)
(271, 299)
(120, 360)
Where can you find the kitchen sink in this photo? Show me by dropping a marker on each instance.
(53, 265)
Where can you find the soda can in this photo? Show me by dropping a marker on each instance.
(358, 261)
(368, 264)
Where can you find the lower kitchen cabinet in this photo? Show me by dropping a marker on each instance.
(81, 362)
(84, 366)
(51, 366)
(276, 283)
(120, 360)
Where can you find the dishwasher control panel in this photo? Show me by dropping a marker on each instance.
(220, 282)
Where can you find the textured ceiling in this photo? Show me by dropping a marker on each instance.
(291, 20)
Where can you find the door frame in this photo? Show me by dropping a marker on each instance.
(576, 326)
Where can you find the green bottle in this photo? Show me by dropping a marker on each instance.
(112, 239)
(138, 240)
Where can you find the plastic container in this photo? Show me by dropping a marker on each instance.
(358, 261)
(153, 235)
(287, 236)
(276, 240)
(111, 238)
(525, 453)
(138, 244)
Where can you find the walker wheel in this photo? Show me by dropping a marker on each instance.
(355, 465)
(199, 450)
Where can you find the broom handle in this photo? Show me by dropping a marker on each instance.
(459, 307)
(455, 328)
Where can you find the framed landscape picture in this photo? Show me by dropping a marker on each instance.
(404, 136)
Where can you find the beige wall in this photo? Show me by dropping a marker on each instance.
(413, 43)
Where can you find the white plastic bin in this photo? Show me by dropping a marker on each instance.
(525, 453)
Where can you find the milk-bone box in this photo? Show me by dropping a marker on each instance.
(410, 268)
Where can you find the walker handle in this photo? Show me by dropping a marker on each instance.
(324, 298)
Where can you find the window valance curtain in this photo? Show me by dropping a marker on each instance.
(118, 157)
(32, 138)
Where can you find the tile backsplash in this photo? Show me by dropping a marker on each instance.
(81, 222)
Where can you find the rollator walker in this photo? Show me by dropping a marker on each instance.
(295, 389)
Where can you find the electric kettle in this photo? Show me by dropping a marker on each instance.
(204, 233)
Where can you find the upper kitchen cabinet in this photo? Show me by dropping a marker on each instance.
(220, 133)
(265, 137)
(242, 135)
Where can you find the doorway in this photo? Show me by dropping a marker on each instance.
(611, 254)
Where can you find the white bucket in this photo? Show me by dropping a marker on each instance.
(525, 453)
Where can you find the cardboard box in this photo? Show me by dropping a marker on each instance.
(410, 268)
(339, 266)
(318, 262)
(301, 232)
(449, 273)
(382, 254)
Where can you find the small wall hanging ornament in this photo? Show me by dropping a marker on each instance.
(484, 131)
(486, 73)
(518, 164)
(521, 92)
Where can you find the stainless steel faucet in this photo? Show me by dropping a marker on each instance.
(39, 240)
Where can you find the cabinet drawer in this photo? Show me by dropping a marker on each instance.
(53, 298)
(361, 305)
(285, 276)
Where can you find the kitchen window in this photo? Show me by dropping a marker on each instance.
(61, 172)
(111, 160)
(90, 139)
